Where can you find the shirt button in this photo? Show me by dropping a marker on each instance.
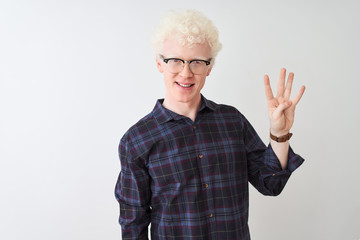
(273, 174)
(201, 156)
(211, 215)
(194, 127)
(206, 185)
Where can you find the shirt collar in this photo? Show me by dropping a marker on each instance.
(163, 115)
(207, 104)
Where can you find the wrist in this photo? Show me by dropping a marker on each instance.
(281, 137)
(279, 132)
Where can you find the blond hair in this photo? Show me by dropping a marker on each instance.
(188, 27)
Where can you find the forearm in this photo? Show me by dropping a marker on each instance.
(134, 212)
(281, 150)
(269, 168)
(134, 221)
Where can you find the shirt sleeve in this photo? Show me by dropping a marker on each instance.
(132, 191)
(264, 169)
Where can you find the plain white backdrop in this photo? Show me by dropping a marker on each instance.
(75, 75)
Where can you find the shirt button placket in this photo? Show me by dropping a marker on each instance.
(208, 196)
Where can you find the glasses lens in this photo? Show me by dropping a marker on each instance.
(175, 65)
(198, 67)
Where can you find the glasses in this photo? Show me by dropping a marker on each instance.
(176, 65)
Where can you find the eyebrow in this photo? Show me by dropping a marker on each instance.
(195, 58)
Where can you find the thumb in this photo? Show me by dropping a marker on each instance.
(281, 108)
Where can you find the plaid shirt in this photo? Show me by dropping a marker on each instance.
(190, 179)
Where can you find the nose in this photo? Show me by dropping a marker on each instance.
(186, 72)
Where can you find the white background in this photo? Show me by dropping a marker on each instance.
(75, 75)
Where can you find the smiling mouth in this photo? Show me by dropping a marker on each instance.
(184, 85)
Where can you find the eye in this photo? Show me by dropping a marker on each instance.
(197, 62)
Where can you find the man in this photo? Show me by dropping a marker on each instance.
(185, 167)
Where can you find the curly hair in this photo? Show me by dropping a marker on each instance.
(189, 27)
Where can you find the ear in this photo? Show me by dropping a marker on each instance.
(209, 70)
(158, 65)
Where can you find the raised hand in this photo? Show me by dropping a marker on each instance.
(281, 108)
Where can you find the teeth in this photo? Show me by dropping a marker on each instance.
(183, 85)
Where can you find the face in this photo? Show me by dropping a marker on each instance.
(183, 87)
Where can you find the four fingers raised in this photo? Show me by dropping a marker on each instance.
(283, 91)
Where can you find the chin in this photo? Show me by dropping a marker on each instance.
(186, 99)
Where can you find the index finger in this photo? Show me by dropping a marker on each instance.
(299, 95)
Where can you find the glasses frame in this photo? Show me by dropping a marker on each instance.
(166, 60)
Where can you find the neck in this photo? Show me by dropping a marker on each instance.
(187, 109)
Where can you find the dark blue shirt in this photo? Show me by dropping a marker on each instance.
(190, 179)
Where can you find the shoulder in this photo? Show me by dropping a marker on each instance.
(225, 114)
(139, 139)
(225, 110)
(141, 129)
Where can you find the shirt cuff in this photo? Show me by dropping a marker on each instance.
(294, 160)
